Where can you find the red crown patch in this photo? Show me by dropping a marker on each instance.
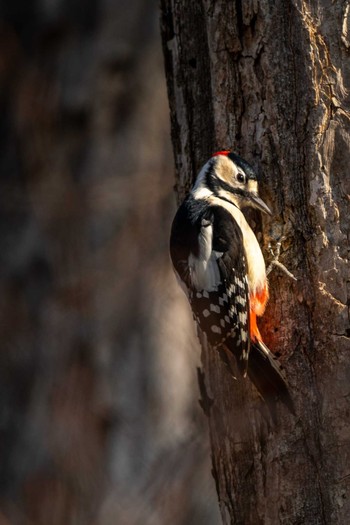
(224, 152)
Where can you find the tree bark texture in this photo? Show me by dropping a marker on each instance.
(271, 80)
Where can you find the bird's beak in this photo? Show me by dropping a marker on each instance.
(260, 204)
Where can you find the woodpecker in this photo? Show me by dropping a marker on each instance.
(219, 264)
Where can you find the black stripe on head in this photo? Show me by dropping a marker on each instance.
(244, 165)
(215, 185)
(211, 181)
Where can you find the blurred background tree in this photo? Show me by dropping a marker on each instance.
(99, 420)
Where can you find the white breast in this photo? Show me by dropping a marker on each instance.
(254, 257)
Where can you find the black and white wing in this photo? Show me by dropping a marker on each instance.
(207, 253)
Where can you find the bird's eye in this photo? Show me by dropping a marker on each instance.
(241, 177)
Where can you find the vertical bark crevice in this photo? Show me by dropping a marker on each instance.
(185, 50)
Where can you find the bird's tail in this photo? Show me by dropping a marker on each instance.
(267, 375)
(264, 370)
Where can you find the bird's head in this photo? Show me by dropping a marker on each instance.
(229, 177)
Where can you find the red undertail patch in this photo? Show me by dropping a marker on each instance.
(257, 303)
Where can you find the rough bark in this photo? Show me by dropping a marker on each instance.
(271, 80)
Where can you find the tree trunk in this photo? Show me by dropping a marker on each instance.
(270, 80)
